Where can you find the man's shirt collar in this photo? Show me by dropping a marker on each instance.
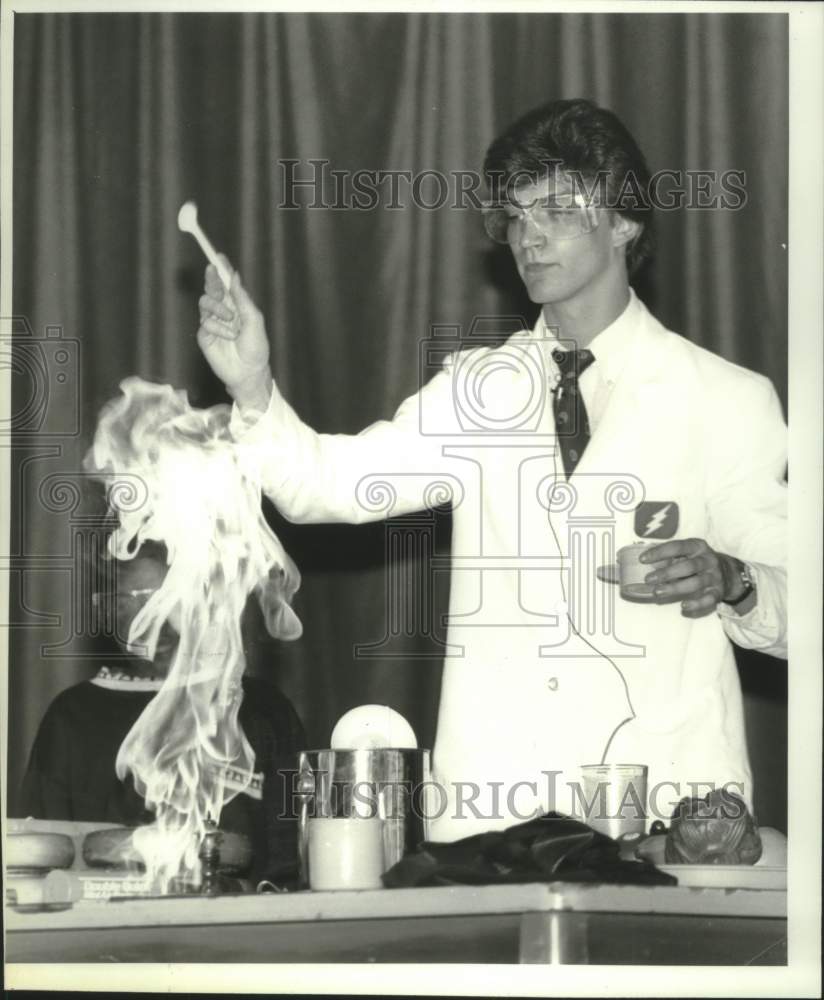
(611, 345)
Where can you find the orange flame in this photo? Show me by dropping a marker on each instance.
(204, 505)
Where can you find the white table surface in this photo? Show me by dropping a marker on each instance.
(434, 902)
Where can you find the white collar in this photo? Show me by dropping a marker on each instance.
(120, 680)
(611, 345)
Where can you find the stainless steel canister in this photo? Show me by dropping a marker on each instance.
(389, 784)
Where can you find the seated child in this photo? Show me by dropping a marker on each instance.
(71, 771)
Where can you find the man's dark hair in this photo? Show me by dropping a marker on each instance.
(589, 142)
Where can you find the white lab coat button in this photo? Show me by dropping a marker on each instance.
(552, 683)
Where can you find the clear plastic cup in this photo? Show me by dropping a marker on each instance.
(614, 798)
(632, 572)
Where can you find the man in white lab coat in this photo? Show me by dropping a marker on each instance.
(594, 430)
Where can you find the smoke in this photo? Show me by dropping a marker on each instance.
(198, 499)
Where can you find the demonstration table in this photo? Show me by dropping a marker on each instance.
(554, 923)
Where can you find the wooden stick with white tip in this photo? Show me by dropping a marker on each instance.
(187, 223)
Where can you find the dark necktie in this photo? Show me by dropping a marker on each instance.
(571, 420)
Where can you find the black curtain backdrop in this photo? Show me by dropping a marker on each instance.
(119, 118)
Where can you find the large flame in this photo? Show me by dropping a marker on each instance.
(204, 505)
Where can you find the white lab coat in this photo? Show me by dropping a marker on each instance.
(525, 698)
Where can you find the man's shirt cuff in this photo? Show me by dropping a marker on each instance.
(242, 422)
(764, 625)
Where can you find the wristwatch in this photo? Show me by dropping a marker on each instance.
(747, 580)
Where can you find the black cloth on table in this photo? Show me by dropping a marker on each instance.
(71, 771)
(550, 848)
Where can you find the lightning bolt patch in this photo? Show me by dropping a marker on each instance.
(656, 519)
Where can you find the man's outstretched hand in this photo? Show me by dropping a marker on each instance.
(232, 336)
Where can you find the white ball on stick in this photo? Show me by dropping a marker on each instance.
(187, 223)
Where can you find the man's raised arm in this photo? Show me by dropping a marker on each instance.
(311, 477)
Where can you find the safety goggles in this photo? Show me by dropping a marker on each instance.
(556, 216)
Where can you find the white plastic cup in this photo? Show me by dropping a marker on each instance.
(345, 853)
(632, 572)
(615, 798)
